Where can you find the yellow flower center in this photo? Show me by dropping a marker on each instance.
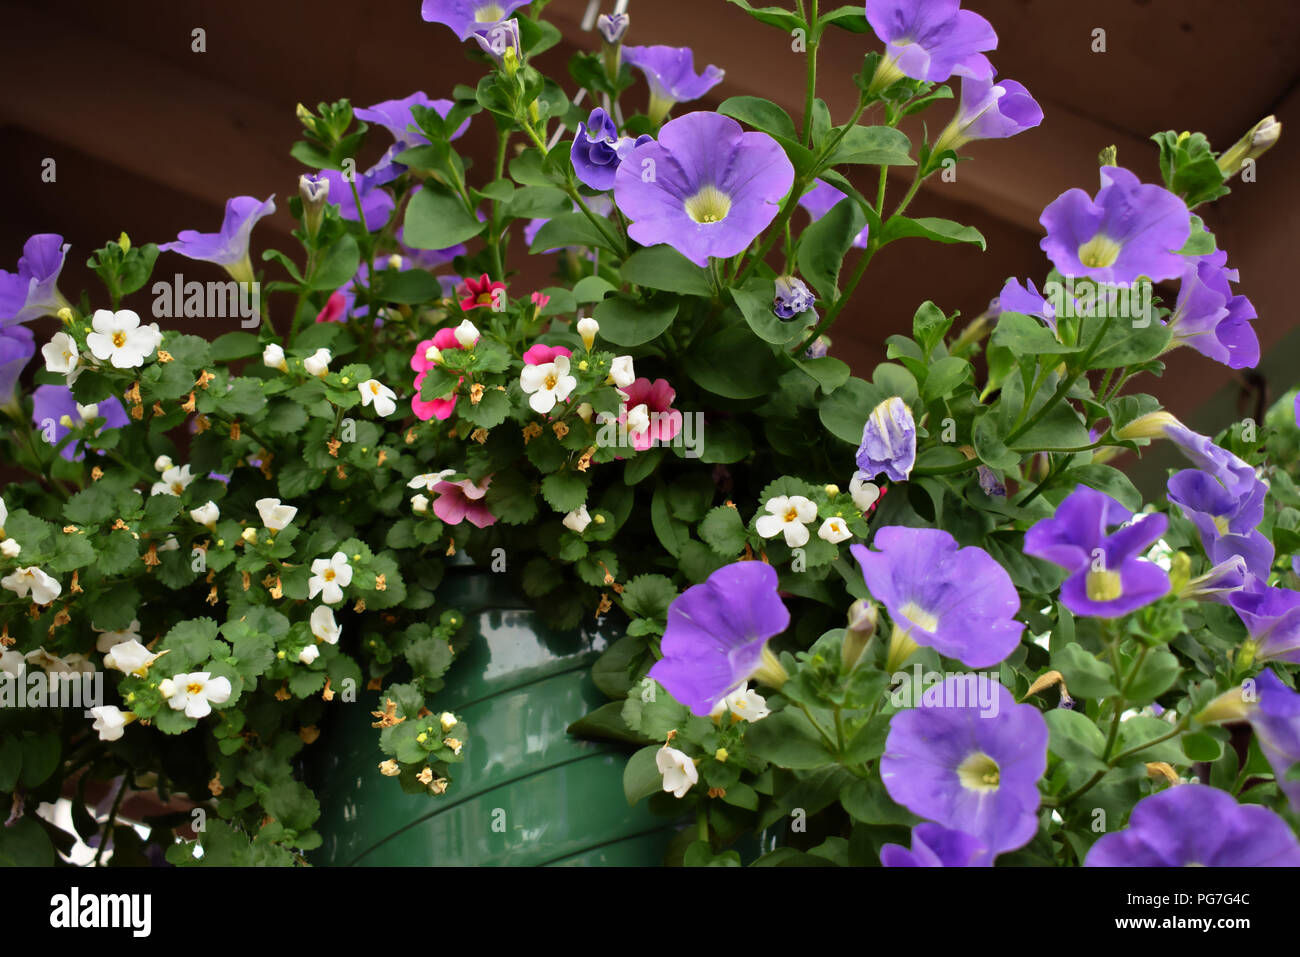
(709, 205)
(1221, 523)
(919, 616)
(119, 339)
(374, 388)
(551, 380)
(1099, 252)
(489, 13)
(194, 688)
(792, 515)
(328, 574)
(1103, 586)
(979, 772)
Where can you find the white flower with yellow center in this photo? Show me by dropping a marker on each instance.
(174, 481)
(429, 479)
(32, 581)
(547, 383)
(789, 514)
(638, 420)
(577, 520)
(274, 515)
(273, 357)
(309, 654)
(743, 703)
(130, 658)
(420, 504)
(206, 515)
(329, 576)
(61, 355)
(621, 372)
(383, 398)
(195, 693)
(110, 721)
(119, 338)
(323, 625)
(834, 530)
(679, 771)
(318, 363)
(108, 639)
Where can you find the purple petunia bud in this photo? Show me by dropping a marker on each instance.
(1257, 141)
(501, 42)
(793, 297)
(613, 26)
(598, 150)
(990, 483)
(314, 191)
(819, 348)
(888, 441)
(863, 618)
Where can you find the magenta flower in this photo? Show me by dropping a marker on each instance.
(229, 247)
(32, 291)
(969, 770)
(990, 111)
(958, 601)
(717, 634)
(1272, 619)
(51, 404)
(1108, 577)
(395, 116)
(670, 71)
(930, 39)
(1131, 229)
(1227, 523)
(936, 846)
(440, 408)
(1197, 825)
(539, 355)
(1210, 318)
(467, 17)
(706, 188)
(648, 413)
(458, 501)
(821, 199)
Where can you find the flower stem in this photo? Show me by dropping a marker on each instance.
(811, 86)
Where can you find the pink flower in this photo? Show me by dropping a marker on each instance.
(650, 401)
(440, 409)
(334, 308)
(539, 354)
(540, 299)
(479, 293)
(462, 500)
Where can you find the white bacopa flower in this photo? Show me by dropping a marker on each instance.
(174, 481)
(466, 334)
(44, 659)
(110, 721)
(76, 664)
(309, 654)
(789, 514)
(318, 363)
(547, 384)
(195, 693)
(13, 663)
(329, 576)
(273, 357)
(620, 371)
(744, 703)
(274, 515)
(834, 530)
(638, 419)
(170, 545)
(429, 479)
(9, 548)
(108, 639)
(206, 514)
(384, 398)
(119, 338)
(4, 515)
(162, 463)
(61, 354)
(86, 413)
(323, 625)
(249, 535)
(130, 658)
(33, 581)
(587, 329)
(577, 520)
(420, 504)
(447, 720)
(863, 493)
(679, 771)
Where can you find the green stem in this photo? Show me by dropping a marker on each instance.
(946, 469)
(1063, 388)
(601, 225)
(811, 83)
(830, 742)
(834, 311)
(112, 816)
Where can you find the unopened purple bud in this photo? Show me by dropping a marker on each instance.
(819, 348)
(613, 26)
(793, 297)
(501, 42)
(990, 483)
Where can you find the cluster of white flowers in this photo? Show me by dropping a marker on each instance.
(790, 515)
(115, 337)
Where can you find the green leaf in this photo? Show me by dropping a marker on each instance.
(1085, 675)
(569, 229)
(1157, 674)
(866, 800)
(1199, 746)
(565, 491)
(929, 326)
(939, 230)
(641, 777)
(824, 244)
(755, 300)
(671, 532)
(625, 321)
(41, 753)
(944, 377)
(829, 373)
(1026, 336)
(662, 267)
(235, 345)
(1125, 343)
(510, 498)
(873, 146)
(648, 596)
(788, 740)
(410, 286)
(338, 267)
(1075, 739)
(607, 723)
(732, 363)
(761, 114)
(723, 531)
(25, 844)
(437, 218)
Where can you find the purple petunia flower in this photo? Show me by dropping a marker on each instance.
(706, 188)
(1219, 582)
(929, 40)
(1273, 711)
(888, 442)
(1210, 318)
(1197, 825)
(936, 846)
(466, 17)
(1016, 298)
(17, 346)
(395, 116)
(1131, 229)
(32, 291)
(670, 71)
(958, 601)
(51, 404)
(989, 111)
(1227, 523)
(1232, 472)
(717, 635)
(598, 150)
(967, 770)
(377, 204)
(229, 247)
(1272, 619)
(793, 297)
(824, 197)
(1108, 577)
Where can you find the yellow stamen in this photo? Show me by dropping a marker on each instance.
(709, 205)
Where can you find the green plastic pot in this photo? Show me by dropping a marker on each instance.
(528, 793)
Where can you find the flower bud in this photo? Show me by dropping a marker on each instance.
(888, 442)
(1228, 707)
(585, 411)
(314, 192)
(273, 357)
(587, 328)
(1258, 141)
(613, 26)
(420, 504)
(466, 334)
(863, 617)
(832, 490)
(249, 535)
(1149, 426)
(162, 463)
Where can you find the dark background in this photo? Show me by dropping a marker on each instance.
(151, 138)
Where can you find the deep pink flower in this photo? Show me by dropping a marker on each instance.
(657, 397)
(462, 500)
(439, 409)
(540, 355)
(334, 308)
(478, 293)
(540, 299)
